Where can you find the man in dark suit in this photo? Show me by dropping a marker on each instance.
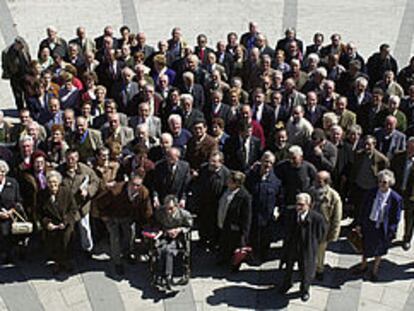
(378, 63)
(234, 217)
(171, 176)
(195, 89)
(306, 229)
(350, 55)
(265, 189)
(125, 89)
(359, 95)
(313, 111)
(290, 35)
(264, 48)
(209, 186)
(402, 166)
(262, 112)
(321, 152)
(316, 47)
(202, 50)
(217, 109)
(190, 114)
(108, 32)
(242, 150)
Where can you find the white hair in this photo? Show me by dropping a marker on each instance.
(54, 174)
(387, 175)
(296, 150)
(174, 117)
(304, 197)
(4, 166)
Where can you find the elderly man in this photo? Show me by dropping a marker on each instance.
(200, 146)
(265, 189)
(299, 129)
(159, 152)
(190, 114)
(181, 136)
(84, 184)
(402, 166)
(321, 152)
(327, 202)
(363, 177)
(389, 139)
(144, 117)
(173, 222)
(171, 176)
(346, 118)
(296, 174)
(306, 229)
(208, 188)
(117, 132)
(124, 204)
(86, 141)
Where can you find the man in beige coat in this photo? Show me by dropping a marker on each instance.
(327, 202)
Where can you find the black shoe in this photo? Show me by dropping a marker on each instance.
(359, 271)
(304, 296)
(285, 288)
(373, 277)
(406, 246)
(319, 276)
(119, 269)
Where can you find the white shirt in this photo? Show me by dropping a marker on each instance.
(259, 112)
(224, 204)
(377, 210)
(2, 184)
(302, 216)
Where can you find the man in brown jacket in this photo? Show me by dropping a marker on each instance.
(368, 162)
(327, 202)
(200, 146)
(84, 184)
(124, 204)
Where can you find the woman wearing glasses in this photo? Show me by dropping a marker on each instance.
(378, 221)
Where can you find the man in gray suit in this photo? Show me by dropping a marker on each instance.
(389, 139)
(85, 44)
(116, 132)
(144, 117)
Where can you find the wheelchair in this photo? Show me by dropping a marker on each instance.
(181, 259)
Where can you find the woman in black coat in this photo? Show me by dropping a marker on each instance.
(58, 215)
(10, 201)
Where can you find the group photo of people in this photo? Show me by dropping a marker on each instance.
(224, 148)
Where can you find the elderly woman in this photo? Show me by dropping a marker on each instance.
(59, 213)
(378, 221)
(9, 202)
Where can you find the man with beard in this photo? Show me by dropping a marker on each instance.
(327, 202)
(210, 185)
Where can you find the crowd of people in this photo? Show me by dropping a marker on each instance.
(115, 136)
